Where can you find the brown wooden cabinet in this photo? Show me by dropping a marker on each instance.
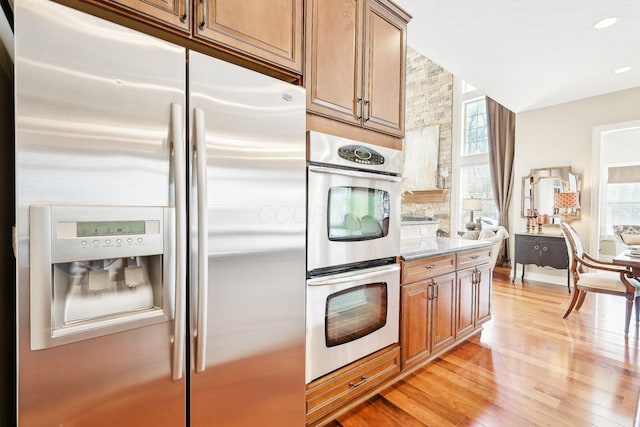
(428, 307)
(267, 29)
(341, 388)
(262, 31)
(355, 62)
(473, 298)
(444, 299)
(176, 14)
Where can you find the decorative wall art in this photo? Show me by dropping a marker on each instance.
(420, 149)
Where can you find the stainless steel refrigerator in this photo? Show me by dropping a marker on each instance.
(160, 234)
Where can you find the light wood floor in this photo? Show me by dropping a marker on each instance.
(529, 367)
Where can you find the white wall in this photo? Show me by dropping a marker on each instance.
(561, 135)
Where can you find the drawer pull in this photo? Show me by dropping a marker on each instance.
(363, 380)
(475, 256)
(430, 266)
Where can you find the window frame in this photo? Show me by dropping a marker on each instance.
(463, 94)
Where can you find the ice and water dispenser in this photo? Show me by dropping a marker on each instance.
(97, 270)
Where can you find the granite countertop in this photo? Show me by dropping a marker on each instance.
(412, 220)
(424, 247)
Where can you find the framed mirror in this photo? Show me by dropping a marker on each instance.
(552, 193)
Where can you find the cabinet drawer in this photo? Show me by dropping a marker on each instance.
(332, 391)
(421, 269)
(474, 257)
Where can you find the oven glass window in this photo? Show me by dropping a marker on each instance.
(355, 312)
(357, 213)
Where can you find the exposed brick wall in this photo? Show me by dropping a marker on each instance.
(429, 101)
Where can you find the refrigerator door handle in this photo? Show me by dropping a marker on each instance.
(180, 203)
(200, 153)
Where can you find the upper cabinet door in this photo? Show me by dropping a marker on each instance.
(269, 30)
(333, 70)
(384, 70)
(175, 13)
(355, 62)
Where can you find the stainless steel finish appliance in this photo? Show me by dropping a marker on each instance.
(353, 240)
(354, 202)
(349, 316)
(160, 208)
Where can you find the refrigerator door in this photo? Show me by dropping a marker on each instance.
(94, 106)
(248, 348)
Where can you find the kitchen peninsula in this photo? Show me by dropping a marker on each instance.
(445, 295)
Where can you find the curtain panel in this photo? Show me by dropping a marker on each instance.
(501, 129)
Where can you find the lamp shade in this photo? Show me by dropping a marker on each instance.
(568, 200)
(472, 204)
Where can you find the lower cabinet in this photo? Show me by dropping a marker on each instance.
(444, 299)
(473, 298)
(333, 392)
(427, 322)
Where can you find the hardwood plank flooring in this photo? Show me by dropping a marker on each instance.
(528, 367)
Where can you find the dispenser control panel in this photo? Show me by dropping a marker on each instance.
(91, 232)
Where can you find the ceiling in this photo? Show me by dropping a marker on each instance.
(529, 54)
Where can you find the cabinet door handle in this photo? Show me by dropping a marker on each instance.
(536, 247)
(368, 104)
(359, 109)
(203, 21)
(363, 379)
(185, 15)
(436, 288)
(545, 249)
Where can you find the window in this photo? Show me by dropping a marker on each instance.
(623, 204)
(622, 196)
(473, 159)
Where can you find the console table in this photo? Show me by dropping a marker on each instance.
(541, 250)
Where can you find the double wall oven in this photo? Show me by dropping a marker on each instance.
(353, 240)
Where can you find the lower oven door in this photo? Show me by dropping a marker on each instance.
(349, 316)
(353, 216)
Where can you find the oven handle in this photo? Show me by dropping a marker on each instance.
(350, 277)
(354, 174)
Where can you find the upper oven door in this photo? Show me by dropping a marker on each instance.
(353, 216)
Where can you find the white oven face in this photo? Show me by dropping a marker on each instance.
(353, 217)
(349, 316)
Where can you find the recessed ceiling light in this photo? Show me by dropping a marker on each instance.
(622, 70)
(607, 22)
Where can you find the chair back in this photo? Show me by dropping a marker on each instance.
(575, 247)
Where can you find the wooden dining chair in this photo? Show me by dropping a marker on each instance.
(602, 277)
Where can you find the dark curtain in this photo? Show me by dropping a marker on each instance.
(501, 127)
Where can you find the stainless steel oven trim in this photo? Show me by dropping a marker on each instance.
(354, 173)
(323, 148)
(352, 276)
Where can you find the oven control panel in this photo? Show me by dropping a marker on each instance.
(361, 154)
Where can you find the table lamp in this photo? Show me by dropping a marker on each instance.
(566, 203)
(471, 204)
